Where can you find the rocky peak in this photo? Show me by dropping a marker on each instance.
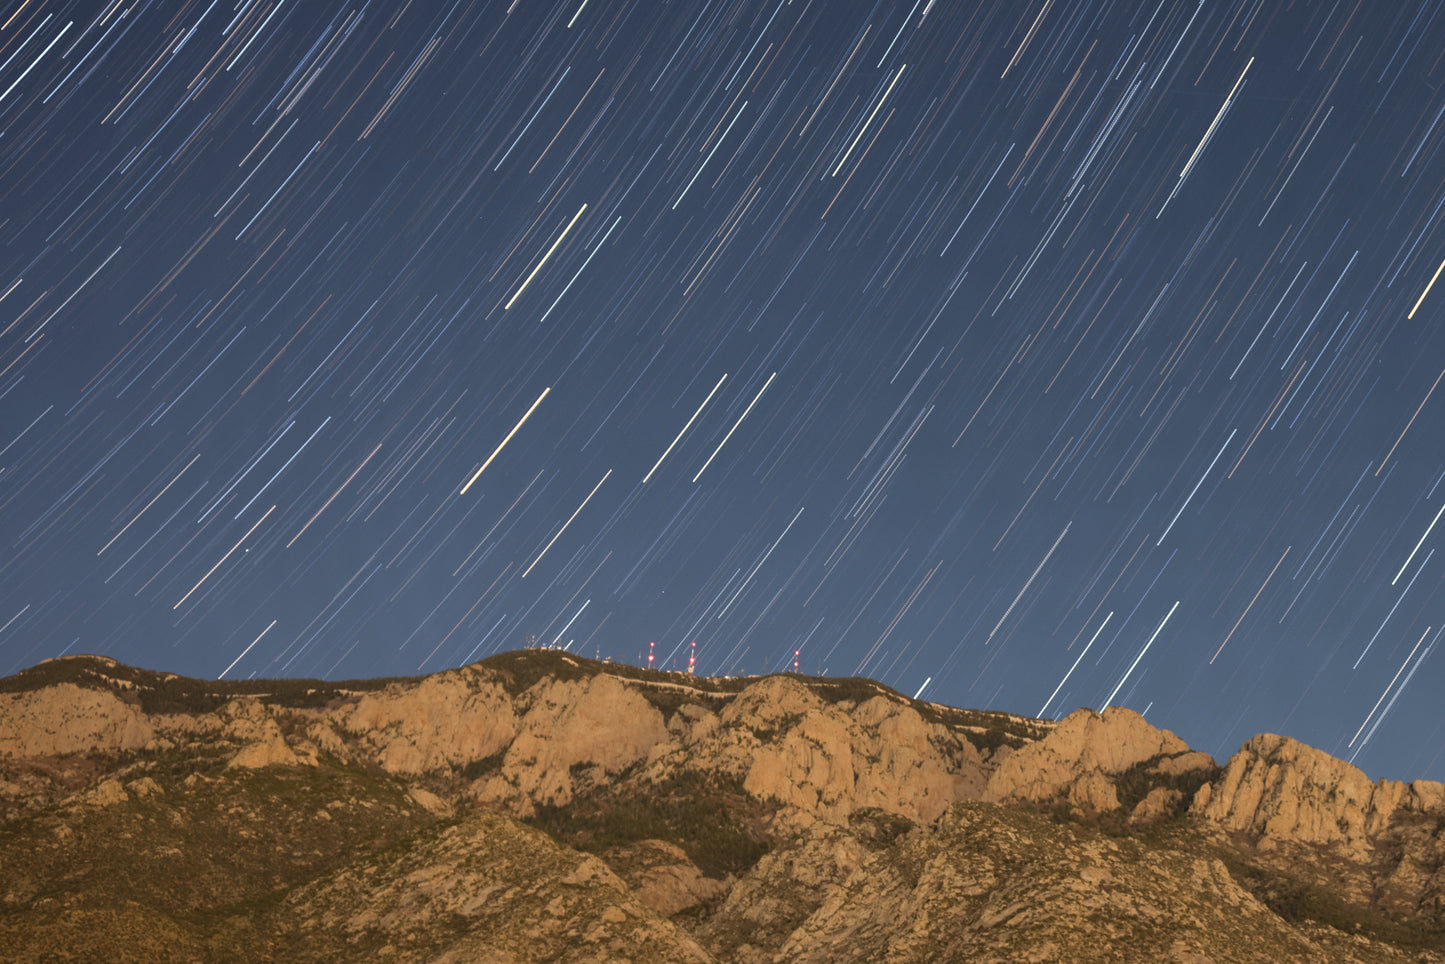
(1279, 790)
(1078, 758)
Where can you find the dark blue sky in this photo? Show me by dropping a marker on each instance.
(1045, 353)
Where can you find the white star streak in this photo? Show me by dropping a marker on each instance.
(246, 650)
(1141, 655)
(1417, 546)
(735, 426)
(224, 558)
(549, 253)
(1029, 583)
(685, 428)
(567, 523)
(495, 451)
(1196, 487)
(1076, 663)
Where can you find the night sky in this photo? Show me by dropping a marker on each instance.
(1032, 354)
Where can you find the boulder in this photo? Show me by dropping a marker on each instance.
(107, 793)
(1159, 803)
(1093, 793)
(268, 750)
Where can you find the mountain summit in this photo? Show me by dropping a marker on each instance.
(539, 806)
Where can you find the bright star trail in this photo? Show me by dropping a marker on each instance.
(345, 339)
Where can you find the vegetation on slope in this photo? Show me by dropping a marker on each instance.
(715, 822)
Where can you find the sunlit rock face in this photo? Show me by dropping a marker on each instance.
(1280, 790)
(829, 759)
(1073, 758)
(600, 722)
(442, 720)
(66, 718)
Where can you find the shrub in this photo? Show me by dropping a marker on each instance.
(705, 814)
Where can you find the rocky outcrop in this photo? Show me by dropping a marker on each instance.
(1071, 759)
(1185, 763)
(911, 766)
(269, 749)
(820, 751)
(448, 719)
(67, 718)
(600, 722)
(1279, 790)
(1157, 804)
(106, 793)
(525, 741)
(1093, 793)
(830, 759)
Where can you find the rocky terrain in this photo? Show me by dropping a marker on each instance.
(538, 806)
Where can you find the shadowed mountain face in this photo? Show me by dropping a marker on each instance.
(542, 807)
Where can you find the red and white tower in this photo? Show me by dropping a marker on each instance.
(692, 660)
(651, 653)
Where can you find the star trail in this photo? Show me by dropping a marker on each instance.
(1011, 353)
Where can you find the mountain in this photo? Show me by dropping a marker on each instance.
(538, 806)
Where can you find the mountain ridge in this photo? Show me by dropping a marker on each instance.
(738, 819)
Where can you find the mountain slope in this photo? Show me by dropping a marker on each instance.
(540, 806)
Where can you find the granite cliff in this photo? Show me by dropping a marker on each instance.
(540, 806)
